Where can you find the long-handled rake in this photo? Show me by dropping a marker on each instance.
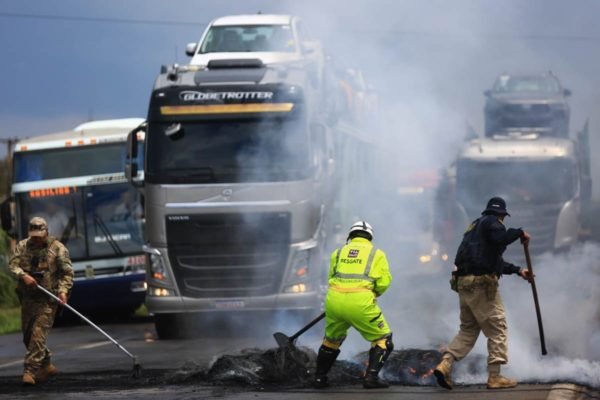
(137, 368)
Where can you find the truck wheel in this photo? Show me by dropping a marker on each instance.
(167, 326)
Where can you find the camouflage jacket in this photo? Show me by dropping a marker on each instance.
(49, 265)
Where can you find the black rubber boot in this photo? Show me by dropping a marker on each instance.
(377, 357)
(325, 360)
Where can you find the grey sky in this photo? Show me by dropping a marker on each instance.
(429, 60)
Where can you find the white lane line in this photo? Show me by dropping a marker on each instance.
(566, 391)
(10, 364)
(92, 345)
(82, 347)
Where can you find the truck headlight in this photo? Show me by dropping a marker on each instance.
(297, 288)
(300, 264)
(298, 274)
(160, 292)
(157, 267)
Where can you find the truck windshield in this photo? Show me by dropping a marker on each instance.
(93, 222)
(244, 38)
(541, 182)
(540, 84)
(228, 151)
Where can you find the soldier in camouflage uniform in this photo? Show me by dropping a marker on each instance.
(40, 259)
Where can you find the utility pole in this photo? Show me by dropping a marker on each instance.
(10, 142)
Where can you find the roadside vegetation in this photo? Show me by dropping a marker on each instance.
(10, 316)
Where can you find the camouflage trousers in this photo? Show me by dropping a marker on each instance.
(481, 310)
(37, 318)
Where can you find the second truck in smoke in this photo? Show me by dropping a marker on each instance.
(529, 159)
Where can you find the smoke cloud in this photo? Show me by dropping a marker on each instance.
(429, 64)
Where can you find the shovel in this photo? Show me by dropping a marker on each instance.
(137, 368)
(286, 343)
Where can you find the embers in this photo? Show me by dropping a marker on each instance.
(412, 367)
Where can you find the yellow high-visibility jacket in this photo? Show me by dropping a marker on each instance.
(359, 266)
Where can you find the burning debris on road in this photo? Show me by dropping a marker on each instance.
(254, 367)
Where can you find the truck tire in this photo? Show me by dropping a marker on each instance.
(167, 326)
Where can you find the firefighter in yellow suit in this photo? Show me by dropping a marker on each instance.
(358, 274)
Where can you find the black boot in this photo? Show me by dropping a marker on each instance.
(377, 357)
(325, 360)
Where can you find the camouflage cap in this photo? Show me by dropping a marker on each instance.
(38, 227)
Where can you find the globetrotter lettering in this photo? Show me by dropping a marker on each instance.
(190, 95)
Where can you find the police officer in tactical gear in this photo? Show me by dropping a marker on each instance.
(42, 260)
(479, 265)
(358, 274)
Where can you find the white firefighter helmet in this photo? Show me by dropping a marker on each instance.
(362, 226)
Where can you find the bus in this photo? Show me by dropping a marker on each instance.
(75, 181)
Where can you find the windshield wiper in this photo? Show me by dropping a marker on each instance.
(111, 241)
(71, 224)
(66, 234)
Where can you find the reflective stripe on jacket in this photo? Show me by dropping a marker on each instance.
(358, 265)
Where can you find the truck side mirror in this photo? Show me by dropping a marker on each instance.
(567, 92)
(487, 93)
(190, 49)
(131, 166)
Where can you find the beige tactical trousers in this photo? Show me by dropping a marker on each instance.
(481, 309)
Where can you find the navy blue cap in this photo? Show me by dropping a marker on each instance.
(496, 205)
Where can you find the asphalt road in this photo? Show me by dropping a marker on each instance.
(92, 366)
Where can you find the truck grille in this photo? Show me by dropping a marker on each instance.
(228, 255)
(539, 220)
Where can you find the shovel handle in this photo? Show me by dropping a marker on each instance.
(535, 299)
(307, 327)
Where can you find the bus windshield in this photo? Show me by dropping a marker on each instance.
(93, 222)
(69, 162)
(225, 152)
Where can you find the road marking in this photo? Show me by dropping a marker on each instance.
(566, 391)
(92, 345)
(10, 364)
(82, 347)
